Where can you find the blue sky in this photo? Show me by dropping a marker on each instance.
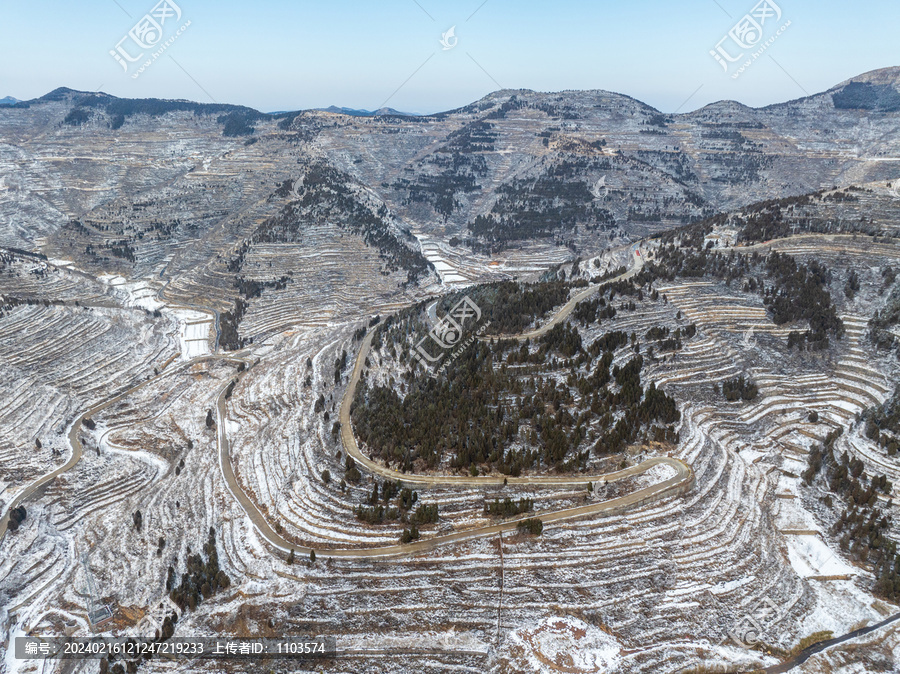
(279, 55)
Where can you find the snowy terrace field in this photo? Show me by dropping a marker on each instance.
(56, 362)
(27, 278)
(151, 452)
(281, 447)
(332, 275)
(662, 554)
(658, 588)
(460, 266)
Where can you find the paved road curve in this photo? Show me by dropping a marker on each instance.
(807, 653)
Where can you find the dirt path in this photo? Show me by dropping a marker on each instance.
(679, 483)
(75, 443)
(569, 306)
(835, 242)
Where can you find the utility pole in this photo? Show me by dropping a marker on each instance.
(500, 603)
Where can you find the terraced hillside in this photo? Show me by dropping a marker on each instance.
(452, 448)
(167, 185)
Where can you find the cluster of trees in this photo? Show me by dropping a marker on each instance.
(862, 525)
(77, 117)
(410, 534)
(851, 287)
(502, 406)
(340, 364)
(563, 339)
(593, 311)
(772, 219)
(807, 340)
(238, 123)
(379, 509)
(483, 415)
(389, 490)
(201, 580)
(7, 303)
(292, 557)
(867, 96)
(436, 416)
(351, 472)
(108, 664)
(673, 261)
(561, 111)
(537, 208)
(473, 137)
(739, 388)
(608, 342)
(454, 168)
(511, 307)
(557, 111)
(508, 307)
(532, 525)
(120, 249)
(376, 514)
(886, 318)
(251, 288)
(668, 340)
(508, 508)
(229, 321)
(800, 292)
(16, 517)
(440, 190)
(425, 514)
(883, 424)
(154, 107)
(514, 103)
(656, 406)
(327, 196)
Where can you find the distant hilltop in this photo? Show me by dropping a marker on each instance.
(367, 113)
(354, 112)
(9, 100)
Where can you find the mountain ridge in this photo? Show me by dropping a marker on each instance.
(889, 75)
(534, 177)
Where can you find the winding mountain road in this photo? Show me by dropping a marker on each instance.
(682, 480)
(679, 483)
